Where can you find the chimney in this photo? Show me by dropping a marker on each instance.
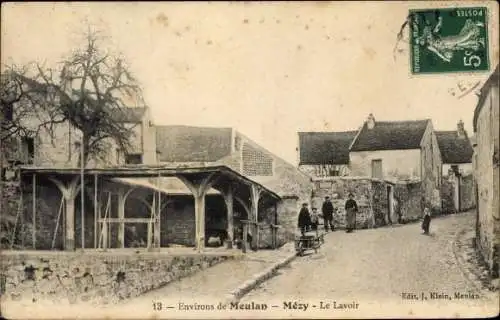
(460, 129)
(370, 122)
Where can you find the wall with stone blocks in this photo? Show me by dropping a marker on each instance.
(93, 277)
(338, 190)
(409, 197)
(287, 218)
(447, 200)
(467, 193)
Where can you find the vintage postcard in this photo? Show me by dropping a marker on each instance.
(249, 160)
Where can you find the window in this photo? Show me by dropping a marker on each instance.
(8, 112)
(118, 156)
(334, 172)
(28, 149)
(377, 169)
(133, 158)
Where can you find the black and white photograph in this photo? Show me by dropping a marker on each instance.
(249, 160)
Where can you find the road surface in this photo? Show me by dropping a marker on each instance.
(392, 271)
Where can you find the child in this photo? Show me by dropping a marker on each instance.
(314, 219)
(427, 220)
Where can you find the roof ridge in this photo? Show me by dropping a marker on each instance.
(327, 132)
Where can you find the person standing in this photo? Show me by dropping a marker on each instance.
(426, 223)
(304, 219)
(351, 208)
(327, 211)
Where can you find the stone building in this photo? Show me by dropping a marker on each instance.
(456, 150)
(399, 152)
(61, 146)
(486, 166)
(457, 189)
(325, 154)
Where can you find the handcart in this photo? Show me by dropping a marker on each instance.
(311, 240)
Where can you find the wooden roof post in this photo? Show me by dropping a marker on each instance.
(229, 199)
(199, 189)
(254, 200)
(122, 198)
(69, 193)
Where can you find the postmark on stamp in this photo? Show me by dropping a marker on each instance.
(449, 40)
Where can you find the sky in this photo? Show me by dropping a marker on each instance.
(269, 70)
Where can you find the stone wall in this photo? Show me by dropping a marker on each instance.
(93, 277)
(467, 193)
(369, 194)
(287, 218)
(447, 196)
(487, 167)
(10, 204)
(409, 201)
(180, 222)
(380, 205)
(431, 170)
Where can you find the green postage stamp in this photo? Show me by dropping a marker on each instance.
(449, 40)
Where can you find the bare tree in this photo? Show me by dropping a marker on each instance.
(89, 90)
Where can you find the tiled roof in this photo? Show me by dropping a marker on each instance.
(129, 114)
(391, 135)
(192, 144)
(454, 149)
(492, 81)
(325, 147)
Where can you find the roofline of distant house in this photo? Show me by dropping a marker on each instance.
(326, 132)
(395, 121)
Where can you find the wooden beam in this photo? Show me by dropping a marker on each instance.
(243, 204)
(125, 220)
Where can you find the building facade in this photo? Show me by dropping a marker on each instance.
(486, 165)
(399, 151)
(458, 187)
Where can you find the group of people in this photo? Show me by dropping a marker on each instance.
(308, 221)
